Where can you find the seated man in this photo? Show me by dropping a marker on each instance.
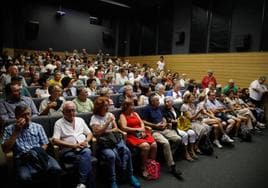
(73, 135)
(175, 92)
(54, 103)
(220, 111)
(13, 99)
(23, 90)
(230, 87)
(82, 103)
(28, 141)
(154, 118)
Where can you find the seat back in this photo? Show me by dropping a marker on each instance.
(32, 90)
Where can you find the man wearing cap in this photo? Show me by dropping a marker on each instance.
(208, 78)
(230, 87)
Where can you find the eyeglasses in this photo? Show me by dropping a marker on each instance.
(69, 110)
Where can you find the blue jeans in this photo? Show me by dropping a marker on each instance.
(26, 171)
(82, 159)
(119, 156)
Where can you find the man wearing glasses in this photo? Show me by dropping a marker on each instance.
(73, 135)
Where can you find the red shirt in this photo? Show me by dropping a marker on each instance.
(208, 79)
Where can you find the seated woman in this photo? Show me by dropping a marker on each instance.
(67, 87)
(43, 91)
(144, 97)
(103, 122)
(189, 110)
(91, 86)
(171, 114)
(137, 135)
(128, 94)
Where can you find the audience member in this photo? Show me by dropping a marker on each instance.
(73, 136)
(138, 135)
(154, 118)
(103, 122)
(13, 99)
(54, 103)
(82, 102)
(208, 78)
(28, 141)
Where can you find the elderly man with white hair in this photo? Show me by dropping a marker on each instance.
(73, 136)
(188, 137)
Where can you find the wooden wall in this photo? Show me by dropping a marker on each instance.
(241, 67)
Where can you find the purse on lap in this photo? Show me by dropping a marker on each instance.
(183, 123)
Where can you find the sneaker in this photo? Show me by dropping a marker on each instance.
(260, 125)
(134, 181)
(217, 143)
(175, 172)
(114, 185)
(258, 130)
(226, 138)
(81, 185)
(236, 138)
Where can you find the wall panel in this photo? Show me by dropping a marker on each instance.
(242, 67)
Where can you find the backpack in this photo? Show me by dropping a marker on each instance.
(153, 169)
(206, 146)
(245, 134)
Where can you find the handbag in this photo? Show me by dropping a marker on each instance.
(109, 139)
(183, 123)
(152, 167)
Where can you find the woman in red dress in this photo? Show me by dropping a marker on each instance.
(137, 135)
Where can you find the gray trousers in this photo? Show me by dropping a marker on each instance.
(163, 137)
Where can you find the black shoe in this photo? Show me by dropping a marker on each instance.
(175, 172)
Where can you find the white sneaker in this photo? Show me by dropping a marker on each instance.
(217, 143)
(260, 125)
(226, 138)
(81, 185)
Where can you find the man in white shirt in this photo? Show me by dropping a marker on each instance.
(72, 135)
(161, 63)
(256, 90)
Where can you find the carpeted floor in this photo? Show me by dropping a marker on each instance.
(244, 165)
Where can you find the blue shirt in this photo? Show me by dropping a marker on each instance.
(153, 115)
(7, 107)
(32, 136)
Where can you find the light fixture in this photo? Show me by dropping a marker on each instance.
(115, 3)
(94, 20)
(60, 12)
